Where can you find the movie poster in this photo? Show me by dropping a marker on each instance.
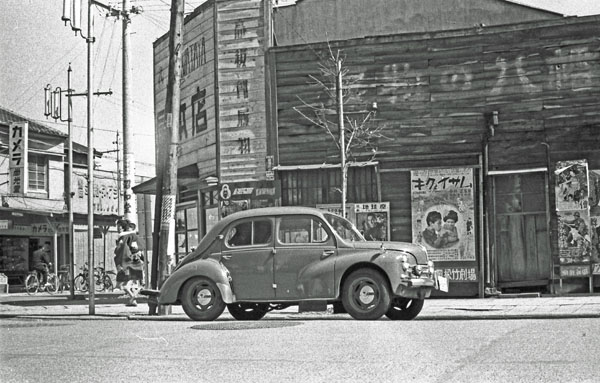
(574, 236)
(571, 185)
(373, 220)
(443, 214)
(594, 198)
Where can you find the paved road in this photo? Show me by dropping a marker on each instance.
(309, 349)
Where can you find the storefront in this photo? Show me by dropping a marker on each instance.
(23, 233)
(480, 130)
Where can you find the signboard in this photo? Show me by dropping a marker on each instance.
(106, 194)
(240, 196)
(458, 274)
(373, 220)
(574, 271)
(443, 213)
(5, 224)
(596, 269)
(18, 147)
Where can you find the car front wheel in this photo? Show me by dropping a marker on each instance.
(366, 295)
(247, 311)
(405, 309)
(201, 299)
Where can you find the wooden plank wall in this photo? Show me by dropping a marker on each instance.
(197, 133)
(435, 90)
(242, 96)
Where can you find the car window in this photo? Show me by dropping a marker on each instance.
(298, 230)
(248, 233)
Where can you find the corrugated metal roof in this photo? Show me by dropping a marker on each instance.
(8, 116)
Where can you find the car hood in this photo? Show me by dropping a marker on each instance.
(417, 250)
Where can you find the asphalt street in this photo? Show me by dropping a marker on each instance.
(112, 306)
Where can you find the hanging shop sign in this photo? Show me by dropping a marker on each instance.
(240, 196)
(443, 213)
(573, 212)
(18, 147)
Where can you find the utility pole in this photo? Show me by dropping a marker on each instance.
(340, 115)
(130, 203)
(167, 179)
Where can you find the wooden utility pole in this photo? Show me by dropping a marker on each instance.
(130, 205)
(167, 194)
(340, 115)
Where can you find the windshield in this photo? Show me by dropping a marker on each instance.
(344, 228)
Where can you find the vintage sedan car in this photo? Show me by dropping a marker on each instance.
(259, 260)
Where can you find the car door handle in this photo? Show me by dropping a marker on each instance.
(327, 253)
(227, 257)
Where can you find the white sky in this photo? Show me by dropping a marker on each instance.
(36, 48)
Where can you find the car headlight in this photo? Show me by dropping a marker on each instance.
(417, 270)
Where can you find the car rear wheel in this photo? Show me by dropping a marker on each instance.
(405, 309)
(201, 299)
(366, 295)
(247, 311)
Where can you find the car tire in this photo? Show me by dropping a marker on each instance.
(201, 299)
(405, 309)
(366, 295)
(247, 311)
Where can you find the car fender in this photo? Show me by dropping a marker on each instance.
(208, 268)
(386, 261)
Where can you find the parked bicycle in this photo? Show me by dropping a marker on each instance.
(102, 279)
(33, 284)
(64, 278)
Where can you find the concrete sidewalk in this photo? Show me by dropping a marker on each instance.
(112, 306)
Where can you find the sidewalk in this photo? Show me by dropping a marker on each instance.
(111, 306)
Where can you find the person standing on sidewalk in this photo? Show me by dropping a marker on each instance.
(41, 262)
(126, 247)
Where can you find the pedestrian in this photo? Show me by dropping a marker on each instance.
(128, 260)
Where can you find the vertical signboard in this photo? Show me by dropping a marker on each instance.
(17, 152)
(443, 219)
(242, 99)
(373, 220)
(196, 131)
(573, 211)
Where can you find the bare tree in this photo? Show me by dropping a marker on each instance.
(354, 134)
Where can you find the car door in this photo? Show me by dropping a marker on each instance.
(304, 259)
(248, 255)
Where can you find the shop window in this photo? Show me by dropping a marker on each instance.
(38, 173)
(299, 230)
(186, 229)
(322, 186)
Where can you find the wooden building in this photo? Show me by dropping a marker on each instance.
(504, 104)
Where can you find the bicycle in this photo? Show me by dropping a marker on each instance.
(64, 278)
(103, 278)
(33, 285)
(81, 280)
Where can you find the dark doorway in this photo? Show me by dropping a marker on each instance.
(521, 232)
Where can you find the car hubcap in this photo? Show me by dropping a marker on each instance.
(204, 296)
(365, 294)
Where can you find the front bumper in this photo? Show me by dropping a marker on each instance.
(416, 288)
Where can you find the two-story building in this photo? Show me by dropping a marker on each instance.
(33, 162)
